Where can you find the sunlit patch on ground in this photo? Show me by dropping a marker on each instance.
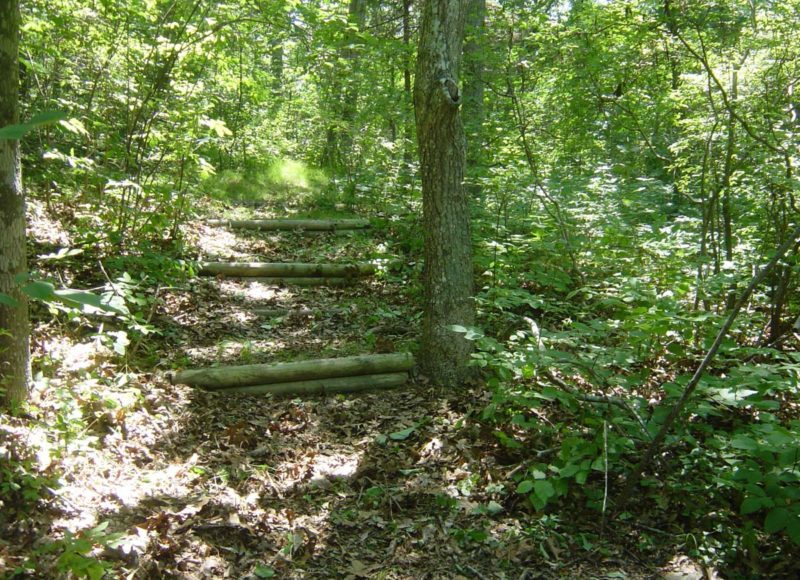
(254, 291)
(327, 468)
(76, 356)
(42, 228)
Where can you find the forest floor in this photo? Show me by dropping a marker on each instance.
(404, 483)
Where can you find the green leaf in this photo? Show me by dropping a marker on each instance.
(525, 486)
(61, 254)
(7, 300)
(751, 505)
(569, 470)
(493, 508)
(777, 519)
(793, 529)
(262, 571)
(537, 501)
(16, 132)
(40, 290)
(544, 490)
(404, 434)
(68, 296)
(745, 443)
(96, 531)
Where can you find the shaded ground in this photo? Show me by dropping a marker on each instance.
(405, 483)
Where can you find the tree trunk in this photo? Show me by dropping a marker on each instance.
(726, 186)
(446, 221)
(14, 326)
(263, 374)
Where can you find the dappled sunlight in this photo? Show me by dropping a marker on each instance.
(77, 356)
(291, 173)
(255, 291)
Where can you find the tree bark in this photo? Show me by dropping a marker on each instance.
(325, 386)
(448, 249)
(14, 325)
(287, 225)
(291, 270)
(326, 368)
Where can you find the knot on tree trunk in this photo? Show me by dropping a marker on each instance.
(450, 90)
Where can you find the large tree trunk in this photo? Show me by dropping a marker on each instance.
(448, 249)
(14, 326)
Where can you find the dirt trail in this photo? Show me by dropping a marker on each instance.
(396, 484)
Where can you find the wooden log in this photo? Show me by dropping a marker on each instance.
(325, 386)
(326, 368)
(274, 281)
(329, 225)
(286, 269)
(288, 312)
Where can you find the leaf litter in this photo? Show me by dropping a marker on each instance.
(398, 484)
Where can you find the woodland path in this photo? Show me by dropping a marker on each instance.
(403, 483)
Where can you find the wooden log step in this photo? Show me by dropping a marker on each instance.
(283, 281)
(287, 312)
(325, 386)
(328, 225)
(286, 269)
(261, 374)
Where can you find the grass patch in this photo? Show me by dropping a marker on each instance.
(291, 188)
(281, 181)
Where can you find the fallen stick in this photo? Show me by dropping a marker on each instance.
(293, 224)
(286, 269)
(261, 374)
(324, 386)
